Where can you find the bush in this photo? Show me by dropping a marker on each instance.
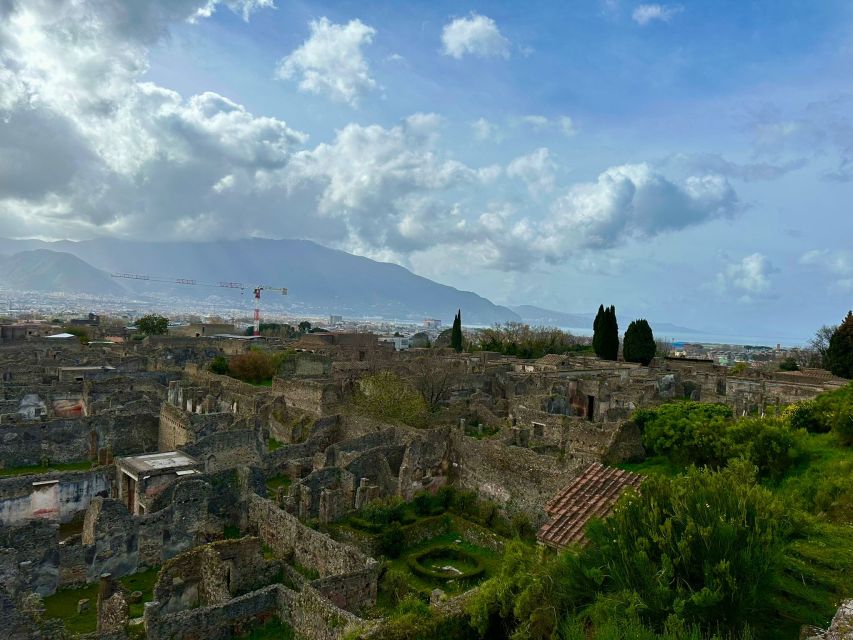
(386, 396)
(705, 547)
(807, 415)
(686, 432)
(219, 365)
(768, 443)
(254, 367)
(522, 527)
(152, 324)
(392, 540)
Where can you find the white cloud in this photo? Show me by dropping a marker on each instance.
(92, 148)
(483, 129)
(749, 277)
(244, 7)
(562, 124)
(646, 13)
(635, 201)
(535, 169)
(476, 35)
(331, 62)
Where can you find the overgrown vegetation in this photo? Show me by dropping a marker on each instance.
(754, 545)
(523, 341)
(44, 468)
(386, 396)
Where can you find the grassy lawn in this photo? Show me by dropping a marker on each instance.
(144, 582)
(63, 604)
(67, 466)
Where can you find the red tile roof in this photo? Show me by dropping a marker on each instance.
(591, 495)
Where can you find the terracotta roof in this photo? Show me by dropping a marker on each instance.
(591, 495)
(553, 359)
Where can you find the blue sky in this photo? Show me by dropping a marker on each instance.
(689, 161)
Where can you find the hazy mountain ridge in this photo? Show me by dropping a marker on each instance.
(45, 270)
(320, 280)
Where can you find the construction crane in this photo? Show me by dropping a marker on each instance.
(256, 290)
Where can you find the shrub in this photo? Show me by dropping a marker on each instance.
(807, 415)
(423, 503)
(686, 432)
(219, 365)
(392, 540)
(254, 366)
(705, 547)
(522, 527)
(768, 443)
(386, 396)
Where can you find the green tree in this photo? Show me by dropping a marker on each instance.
(598, 331)
(219, 365)
(456, 332)
(789, 364)
(839, 353)
(639, 344)
(605, 333)
(304, 326)
(153, 324)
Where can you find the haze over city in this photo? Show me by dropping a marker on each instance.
(689, 161)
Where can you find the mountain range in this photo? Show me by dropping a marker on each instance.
(320, 280)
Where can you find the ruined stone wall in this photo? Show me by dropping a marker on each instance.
(214, 622)
(315, 396)
(178, 427)
(29, 558)
(72, 491)
(426, 463)
(226, 450)
(516, 478)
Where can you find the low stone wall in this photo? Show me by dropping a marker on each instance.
(217, 622)
(347, 576)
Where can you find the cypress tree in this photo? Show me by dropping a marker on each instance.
(597, 331)
(639, 345)
(456, 332)
(839, 354)
(610, 335)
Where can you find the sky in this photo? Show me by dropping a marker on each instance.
(689, 162)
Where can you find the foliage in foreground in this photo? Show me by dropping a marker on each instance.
(702, 549)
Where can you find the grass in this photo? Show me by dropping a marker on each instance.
(231, 532)
(262, 383)
(143, 581)
(38, 468)
(308, 572)
(63, 604)
(272, 630)
(274, 445)
(657, 465)
(275, 482)
(488, 559)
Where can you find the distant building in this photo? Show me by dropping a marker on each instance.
(92, 321)
(201, 329)
(432, 323)
(333, 320)
(400, 343)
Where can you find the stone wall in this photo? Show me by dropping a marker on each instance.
(315, 396)
(347, 577)
(57, 496)
(516, 478)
